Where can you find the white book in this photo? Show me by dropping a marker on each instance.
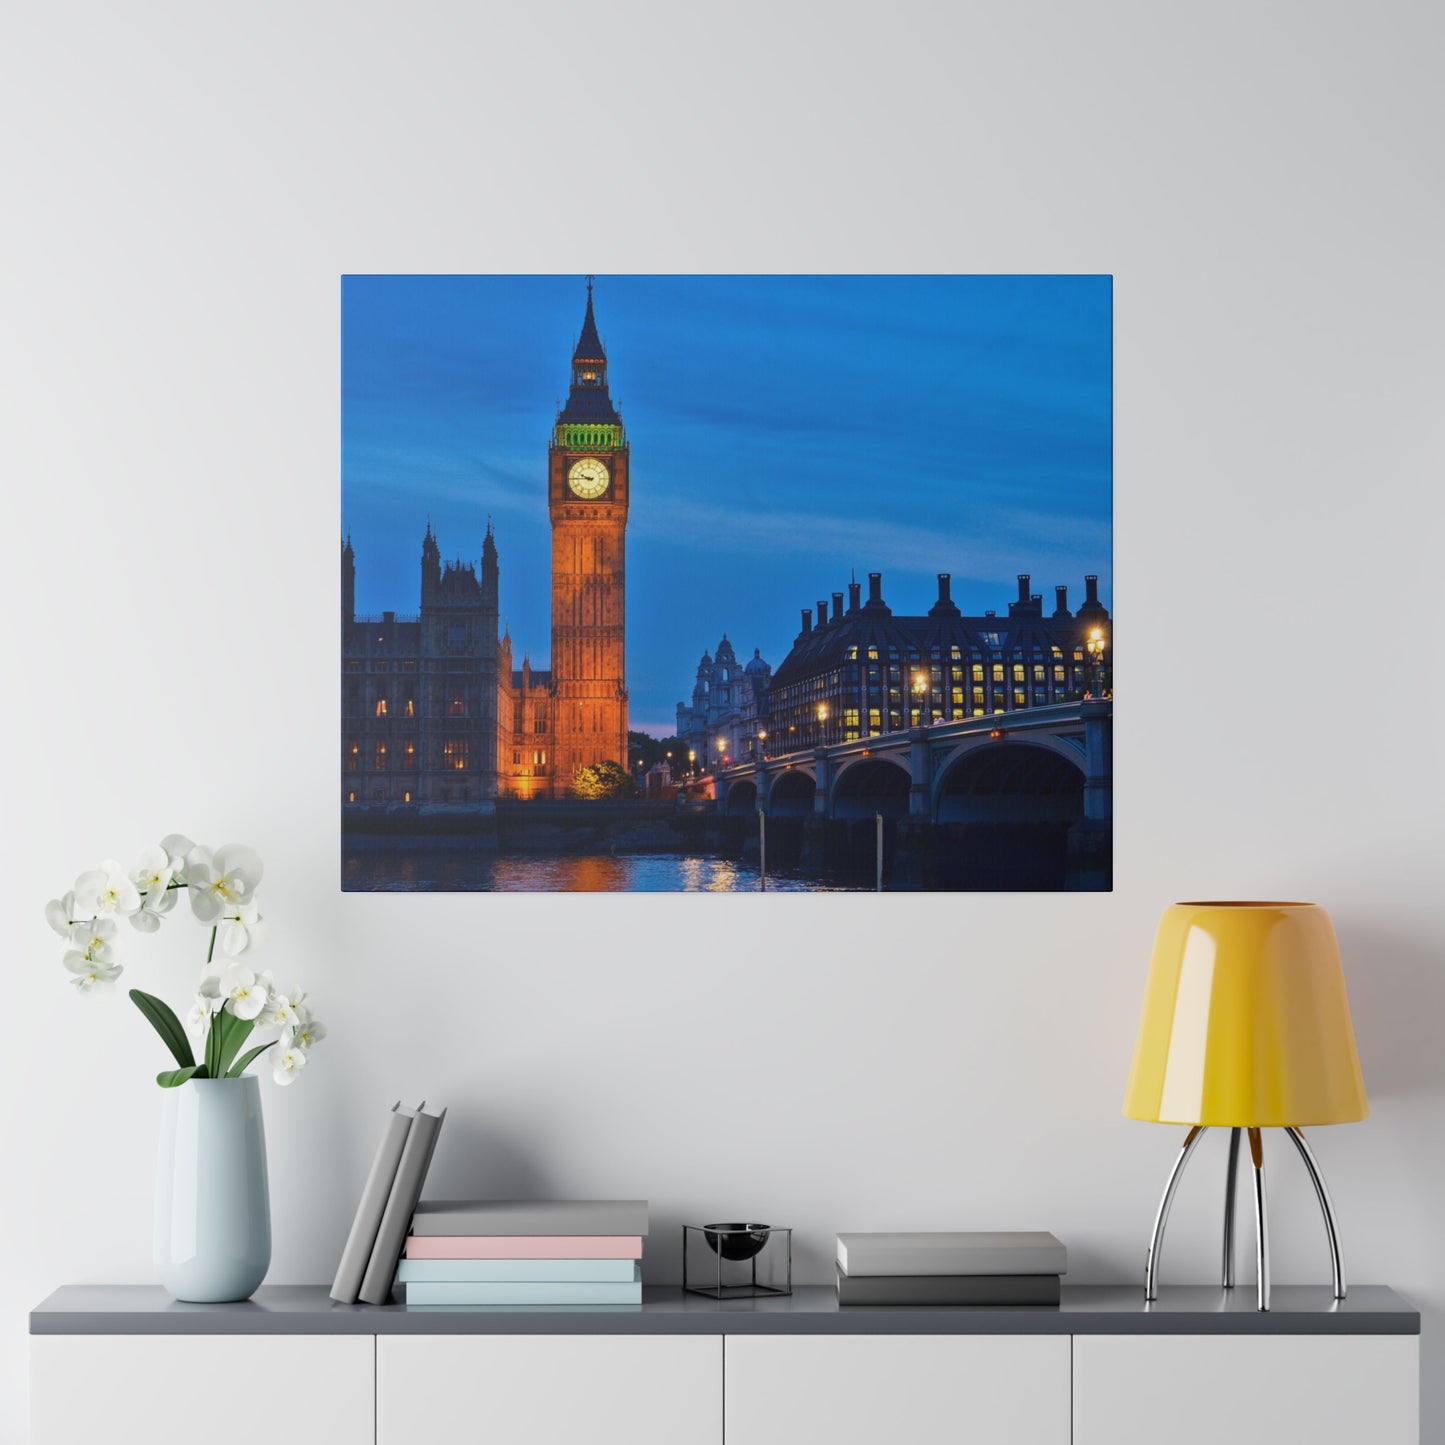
(953, 1252)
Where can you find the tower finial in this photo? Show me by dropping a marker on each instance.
(590, 280)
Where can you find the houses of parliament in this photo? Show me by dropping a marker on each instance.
(433, 710)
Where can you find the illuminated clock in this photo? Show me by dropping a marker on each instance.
(588, 478)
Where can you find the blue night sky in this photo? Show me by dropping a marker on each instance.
(786, 431)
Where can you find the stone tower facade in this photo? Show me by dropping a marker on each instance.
(588, 493)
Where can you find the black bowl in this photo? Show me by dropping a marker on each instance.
(736, 1241)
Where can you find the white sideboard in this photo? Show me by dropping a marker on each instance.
(124, 1365)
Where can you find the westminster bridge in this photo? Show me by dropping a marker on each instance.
(1024, 796)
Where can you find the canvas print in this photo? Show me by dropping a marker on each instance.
(726, 583)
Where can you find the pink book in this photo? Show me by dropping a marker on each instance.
(524, 1246)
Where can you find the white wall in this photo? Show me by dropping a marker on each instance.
(182, 191)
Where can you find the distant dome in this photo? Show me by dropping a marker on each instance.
(725, 651)
(757, 667)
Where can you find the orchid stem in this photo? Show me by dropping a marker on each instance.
(210, 952)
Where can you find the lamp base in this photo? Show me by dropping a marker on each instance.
(1261, 1212)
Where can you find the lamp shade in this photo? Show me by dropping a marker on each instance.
(1246, 1022)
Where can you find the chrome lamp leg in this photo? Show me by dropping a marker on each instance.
(1156, 1239)
(1261, 1219)
(1332, 1231)
(1230, 1180)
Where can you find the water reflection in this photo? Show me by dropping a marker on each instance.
(466, 870)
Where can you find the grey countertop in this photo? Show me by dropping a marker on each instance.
(1085, 1310)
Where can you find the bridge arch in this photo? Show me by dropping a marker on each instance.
(872, 785)
(1009, 804)
(792, 794)
(742, 799)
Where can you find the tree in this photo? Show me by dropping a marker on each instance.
(607, 779)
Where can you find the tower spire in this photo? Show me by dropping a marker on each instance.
(589, 344)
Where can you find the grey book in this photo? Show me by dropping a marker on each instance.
(948, 1289)
(356, 1254)
(421, 1140)
(953, 1252)
(531, 1217)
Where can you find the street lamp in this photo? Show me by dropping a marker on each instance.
(762, 738)
(692, 762)
(920, 691)
(1096, 646)
(823, 723)
(722, 747)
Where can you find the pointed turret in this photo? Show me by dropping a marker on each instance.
(490, 570)
(431, 565)
(348, 580)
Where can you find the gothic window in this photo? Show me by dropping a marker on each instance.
(409, 709)
(457, 634)
(408, 754)
(378, 758)
(381, 707)
(456, 702)
(454, 754)
(353, 757)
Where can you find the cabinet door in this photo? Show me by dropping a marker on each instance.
(548, 1390)
(1247, 1390)
(898, 1389)
(220, 1389)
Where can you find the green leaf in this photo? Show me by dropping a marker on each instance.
(213, 1043)
(249, 1058)
(234, 1032)
(167, 1025)
(173, 1078)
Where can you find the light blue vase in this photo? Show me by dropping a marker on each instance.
(213, 1210)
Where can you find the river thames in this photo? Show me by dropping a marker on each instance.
(467, 870)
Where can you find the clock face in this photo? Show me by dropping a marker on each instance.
(588, 478)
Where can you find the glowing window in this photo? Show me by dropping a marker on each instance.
(381, 707)
(454, 754)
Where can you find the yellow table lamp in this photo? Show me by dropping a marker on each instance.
(1246, 1026)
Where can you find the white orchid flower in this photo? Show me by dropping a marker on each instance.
(178, 849)
(244, 993)
(198, 1018)
(157, 904)
(301, 1004)
(59, 913)
(153, 871)
(224, 880)
(279, 1011)
(106, 889)
(95, 938)
(309, 1034)
(243, 930)
(89, 973)
(286, 1063)
(210, 985)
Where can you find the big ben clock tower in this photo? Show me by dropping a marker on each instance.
(587, 496)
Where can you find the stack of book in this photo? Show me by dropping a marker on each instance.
(959, 1268)
(557, 1252)
(388, 1200)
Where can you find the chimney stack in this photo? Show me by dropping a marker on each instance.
(1091, 588)
(1023, 586)
(855, 589)
(1061, 595)
(875, 587)
(945, 587)
(822, 613)
(807, 620)
(837, 607)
